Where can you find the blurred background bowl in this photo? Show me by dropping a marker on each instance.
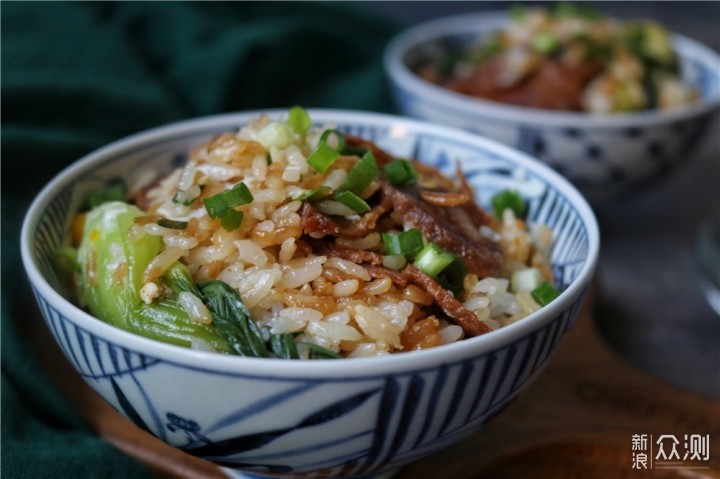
(314, 418)
(602, 155)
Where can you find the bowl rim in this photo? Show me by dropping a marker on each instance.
(481, 22)
(212, 362)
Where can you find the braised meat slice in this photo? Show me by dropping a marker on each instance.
(454, 228)
(315, 224)
(553, 86)
(358, 256)
(465, 318)
(409, 275)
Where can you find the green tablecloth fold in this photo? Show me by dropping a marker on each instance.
(76, 76)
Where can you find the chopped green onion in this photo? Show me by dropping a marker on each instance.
(527, 279)
(453, 276)
(354, 151)
(509, 199)
(431, 260)
(652, 44)
(545, 43)
(114, 192)
(181, 198)
(352, 201)
(400, 173)
(275, 134)
(231, 219)
(392, 243)
(187, 198)
(394, 261)
(314, 195)
(174, 225)
(407, 243)
(299, 120)
(362, 174)
(220, 203)
(318, 352)
(544, 294)
(339, 136)
(322, 157)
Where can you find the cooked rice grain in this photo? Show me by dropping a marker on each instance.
(329, 301)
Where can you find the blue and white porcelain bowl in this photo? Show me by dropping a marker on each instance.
(338, 418)
(602, 155)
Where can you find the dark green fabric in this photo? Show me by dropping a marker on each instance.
(76, 76)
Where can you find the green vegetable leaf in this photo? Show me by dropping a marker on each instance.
(232, 319)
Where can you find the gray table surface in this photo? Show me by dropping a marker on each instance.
(650, 307)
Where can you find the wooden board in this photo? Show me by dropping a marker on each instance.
(577, 421)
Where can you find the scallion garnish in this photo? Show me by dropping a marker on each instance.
(354, 150)
(545, 43)
(545, 293)
(362, 174)
(231, 219)
(338, 136)
(322, 157)
(174, 225)
(394, 261)
(392, 243)
(299, 120)
(400, 173)
(407, 243)
(220, 203)
(314, 195)
(527, 279)
(432, 259)
(181, 199)
(186, 198)
(275, 135)
(508, 199)
(114, 192)
(352, 201)
(453, 276)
